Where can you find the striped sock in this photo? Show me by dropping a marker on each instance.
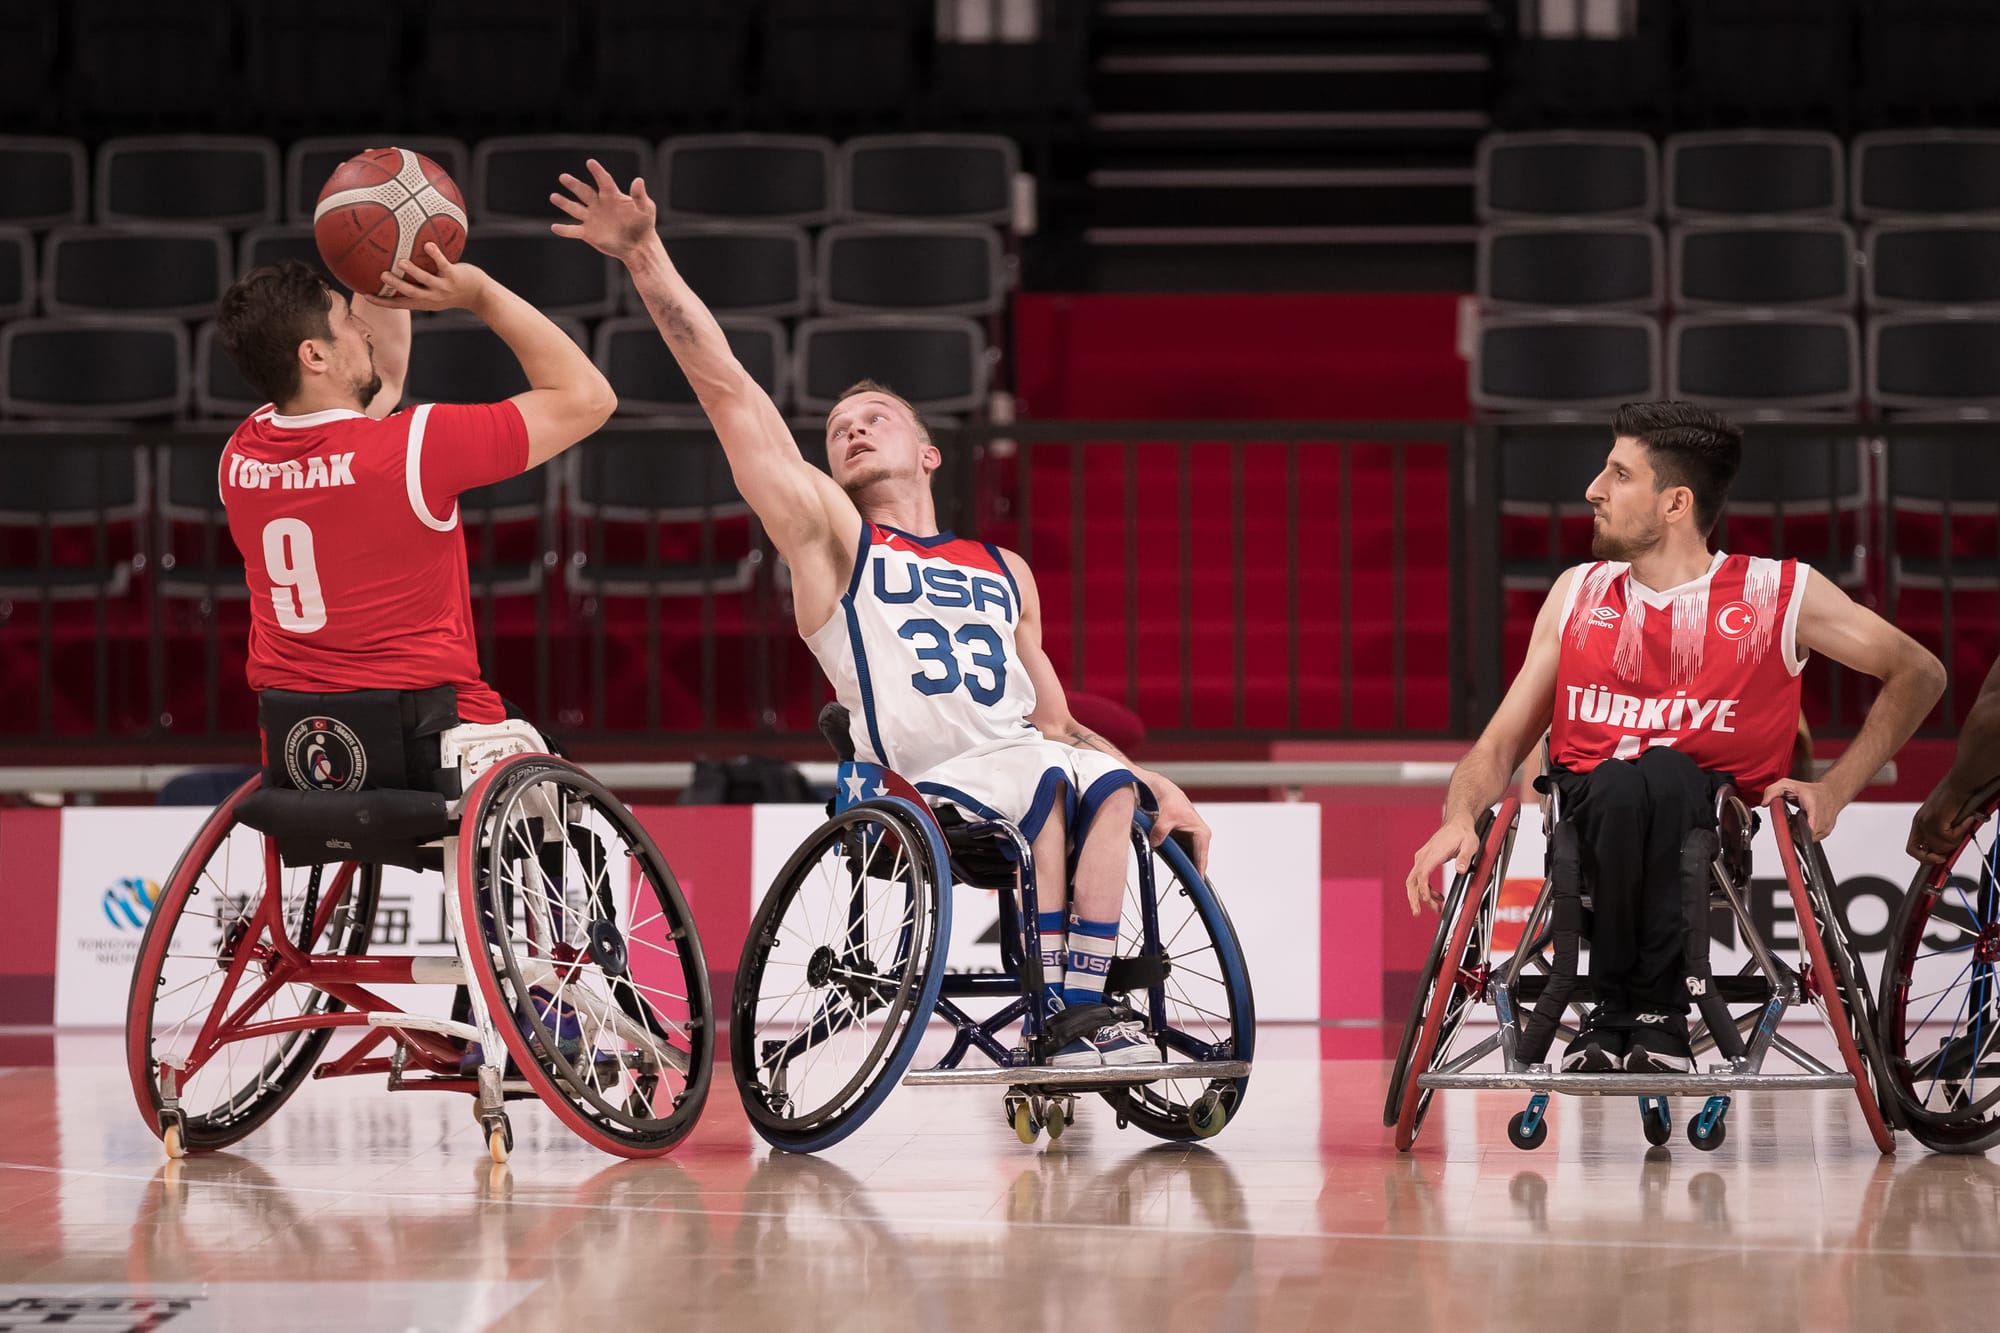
(1052, 925)
(1091, 946)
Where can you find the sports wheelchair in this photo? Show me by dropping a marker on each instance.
(1940, 996)
(580, 979)
(844, 968)
(1533, 989)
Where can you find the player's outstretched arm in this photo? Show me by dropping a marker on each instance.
(1937, 829)
(1052, 718)
(1833, 623)
(1482, 777)
(389, 334)
(810, 519)
(568, 397)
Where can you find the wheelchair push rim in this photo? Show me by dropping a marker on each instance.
(586, 955)
(1941, 974)
(211, 972)
(839, 974)
(1444, 996)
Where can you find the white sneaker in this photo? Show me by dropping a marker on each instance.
(1126, 1043)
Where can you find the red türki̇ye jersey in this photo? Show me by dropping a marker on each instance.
(1710, 668)
(352, 546)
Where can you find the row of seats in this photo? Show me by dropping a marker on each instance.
(803, 180)
(853, 268)
(1769, 263)
(110, 369)
(1752, 365)
(1738, 174)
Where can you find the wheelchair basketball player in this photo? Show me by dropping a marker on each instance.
(1662, 671)
(932, 640)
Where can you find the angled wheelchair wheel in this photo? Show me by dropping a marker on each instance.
(586, 955)
(1192, 984)
(840, 973)
(1838, 986)
(1449, 987)
(210, 970)
(1939, 1018)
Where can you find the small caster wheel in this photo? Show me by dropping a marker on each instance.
(1058, 1121)
(1658, 1124)
(1207, 1116)
(175, 1139)
(1522, 1136)
(499, 1138)
(1710, 1141)
(1026, 1127)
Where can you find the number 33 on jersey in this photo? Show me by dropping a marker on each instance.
(921, 649)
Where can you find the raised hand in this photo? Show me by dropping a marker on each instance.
(607, 219)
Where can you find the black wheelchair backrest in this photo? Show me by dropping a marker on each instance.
(833, 724)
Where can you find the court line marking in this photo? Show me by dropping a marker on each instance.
(1745, 1246)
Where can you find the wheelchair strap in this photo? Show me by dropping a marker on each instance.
(1698, 854)
(1566, 927)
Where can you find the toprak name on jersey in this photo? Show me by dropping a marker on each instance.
(291, 475)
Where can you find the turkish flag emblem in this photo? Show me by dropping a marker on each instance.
(1735, 620)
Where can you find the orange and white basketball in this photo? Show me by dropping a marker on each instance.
(379, 209)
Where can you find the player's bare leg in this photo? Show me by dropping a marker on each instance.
(1093, 934)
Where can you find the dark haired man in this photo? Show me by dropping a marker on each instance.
(933, 641)
(1660, 671)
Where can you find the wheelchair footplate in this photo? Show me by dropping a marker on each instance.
(1712, 1082)
(1048, 1077)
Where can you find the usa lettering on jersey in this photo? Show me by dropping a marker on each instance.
(292, 474)
(947, 588)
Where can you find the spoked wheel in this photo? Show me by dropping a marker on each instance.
(1173, 927)
(1838, 986)
(587, 955)
(211, 973)
(1940, 1000)
(1446, 989)
(840, 973)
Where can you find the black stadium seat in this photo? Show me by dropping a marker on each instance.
(1764, 364)
(1903, 173)
(1534, 177)
(745, 178)
(309, 162)
(17, 272)
(513, 176)
(841, 58)
(1933, 264)
(928, 177)
(224, 180)
(555, 275)
(869, 268)
(1582, 265)
(1773, 263)
(495, 62)
(160, 270)
(745, 268)
(1565, 363)
(936, 362)
(649, 382)
(1754, 173)
(291, 80)
(29, 73)
(655, 62)
(219, 390)
(1768, 61)
(99, 369)
(271, 245)
(1935, 361)
(47, 183)
(158, 62)
(457, 359)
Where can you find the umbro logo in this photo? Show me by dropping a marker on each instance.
(1603, 615)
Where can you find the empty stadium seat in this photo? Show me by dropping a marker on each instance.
(929, 177)
(292, 82)
(1935, 361)
(160, 270)
(556, 275)
(46, 181)
(1542, 175)
(841, 58)
(939, 268)
(1926, 479)
(309, 162)
(1752, 173)
(740, 267)
(653, 62)
(649, 382)
(104, 369)
(17, 272)
(273, 245)
(936, 362)
(1545, 523)
(48, 482)
(495, 62)
(157, 61)
(1606, 265)
(1565, 364)
(457, 359)
(1933, 264)
(510, 537)
(746, 178)
(513, 176)
(197, 558)
(220, 391)
(1901, 173)
(223, 180)
(1807, 263)
(1761, 364)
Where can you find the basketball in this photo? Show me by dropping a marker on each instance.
(379, 209)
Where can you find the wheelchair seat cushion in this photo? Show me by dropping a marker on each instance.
(356, 740)
(373, 827)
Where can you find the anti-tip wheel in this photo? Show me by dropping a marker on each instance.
(1710, 1141)
(499, 1139)
(1658, 1124)
(175, 1140)
(1207, 1117)
(1524, 1138)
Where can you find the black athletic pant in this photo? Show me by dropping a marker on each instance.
(1633, 816)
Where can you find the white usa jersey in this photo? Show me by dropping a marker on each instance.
(921, 649)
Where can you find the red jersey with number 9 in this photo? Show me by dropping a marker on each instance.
(352, 547)
(1710, 668)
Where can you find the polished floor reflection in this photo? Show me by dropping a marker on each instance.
(357, 1208)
